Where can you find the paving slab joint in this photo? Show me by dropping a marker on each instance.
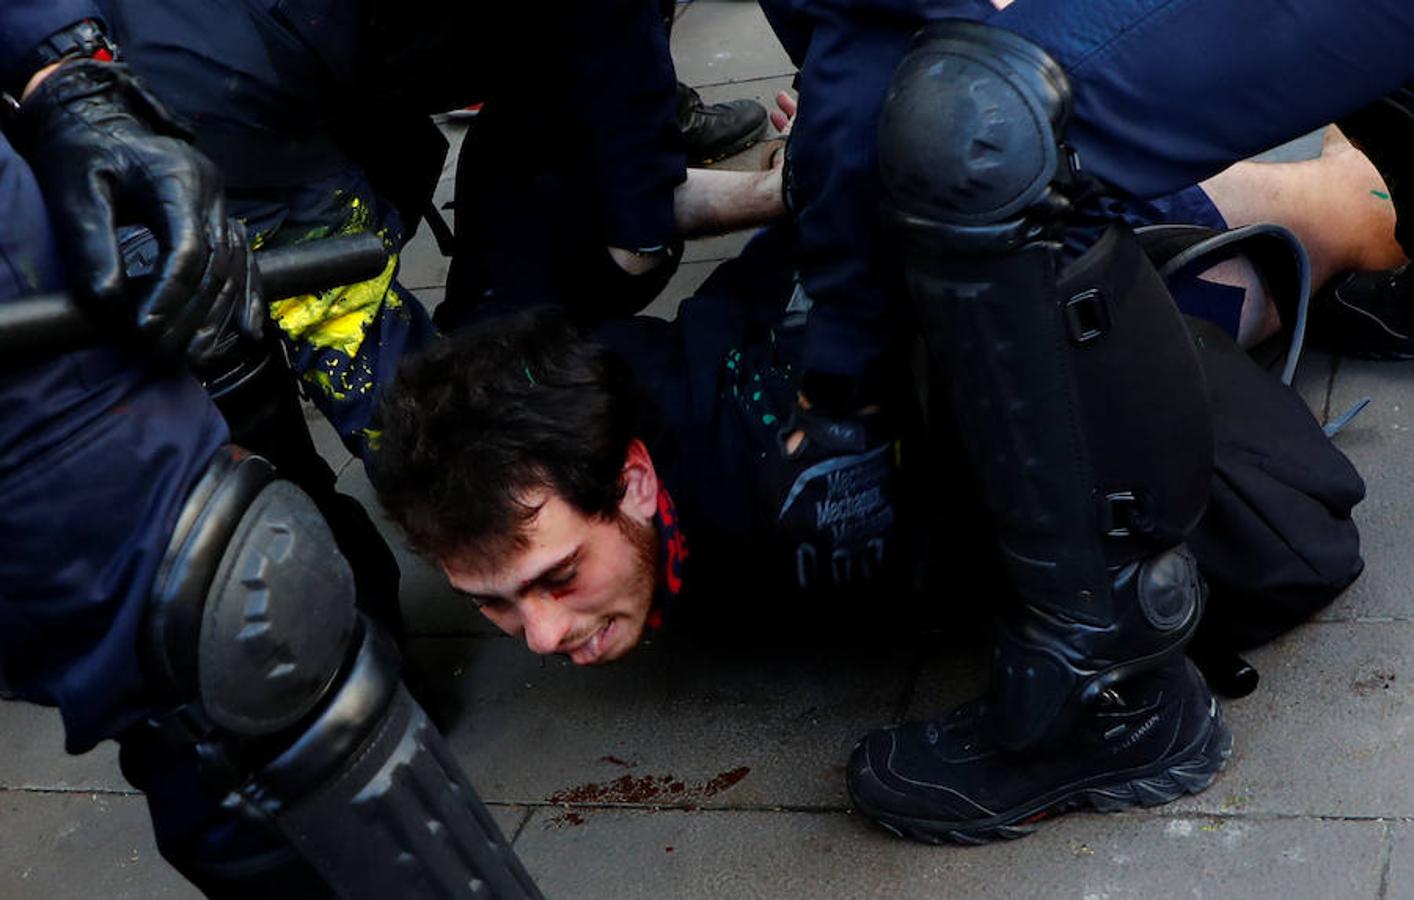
(1386, 861)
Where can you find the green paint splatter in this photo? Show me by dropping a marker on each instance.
(756, 396)
(324, 383)
(768, 419)
(1381, 194)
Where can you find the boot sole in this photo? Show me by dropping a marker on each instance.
(1190, 771)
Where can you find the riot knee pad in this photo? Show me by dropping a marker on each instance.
(295, 701)
(1078, 391)
(255, 390)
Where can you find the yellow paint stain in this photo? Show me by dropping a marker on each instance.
(360, 218)
(373, 437)
(338, 319)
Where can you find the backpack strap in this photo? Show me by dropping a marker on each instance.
(1273, 250)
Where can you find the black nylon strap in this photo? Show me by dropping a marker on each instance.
(81, 40)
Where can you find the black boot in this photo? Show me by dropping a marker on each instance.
(1384, 131)
(1079, 393)
(1143, 743)
(712, 132)
(1369, 315)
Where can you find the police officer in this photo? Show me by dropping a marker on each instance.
(1002, 150)
(157, 587)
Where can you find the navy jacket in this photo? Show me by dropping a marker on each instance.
(24, 23)
(718, 383)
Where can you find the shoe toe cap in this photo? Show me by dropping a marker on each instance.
(898, 772)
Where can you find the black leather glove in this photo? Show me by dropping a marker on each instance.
(836, 496)
(106, 152)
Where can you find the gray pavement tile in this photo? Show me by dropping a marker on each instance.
(61, 846)
(1378, 442)
(509, 818)
(431, 298)
(1305, 147)
(446, 189)
(620, 854)
(715, 249)
(1399, 877)
(455, 132)
(670, 725)
(715, 41)
(1328, 731)
(1313, 382)
(32, 755)
(429, 606)
(684, 284)
(422, 263)
(326, 439)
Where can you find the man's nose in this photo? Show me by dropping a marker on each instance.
(547, 623)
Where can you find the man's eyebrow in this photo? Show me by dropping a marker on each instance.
(551, 570)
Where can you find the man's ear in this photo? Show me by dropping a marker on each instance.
(640, 481)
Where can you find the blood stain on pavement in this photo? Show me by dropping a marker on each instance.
(652, 791)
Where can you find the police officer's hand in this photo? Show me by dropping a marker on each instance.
(836, 483)
(106, 153)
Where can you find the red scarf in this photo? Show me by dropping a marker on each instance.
(672, 551)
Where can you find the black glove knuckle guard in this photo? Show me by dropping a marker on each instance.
(835, 498)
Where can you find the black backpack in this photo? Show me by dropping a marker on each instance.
(1277, 543)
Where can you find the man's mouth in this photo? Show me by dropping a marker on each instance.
(591, 650)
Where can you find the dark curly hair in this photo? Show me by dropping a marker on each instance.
(476, 422)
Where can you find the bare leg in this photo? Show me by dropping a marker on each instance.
(1337, 204)
(717, 201)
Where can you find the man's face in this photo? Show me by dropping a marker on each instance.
(580, 586)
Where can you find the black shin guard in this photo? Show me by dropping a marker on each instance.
(288, 707)
(1078, 394)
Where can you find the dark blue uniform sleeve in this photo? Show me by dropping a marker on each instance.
(624, 104)
(24, 23)
(846, 52)
(259, 95)
(1167, 94)
(97, 454)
